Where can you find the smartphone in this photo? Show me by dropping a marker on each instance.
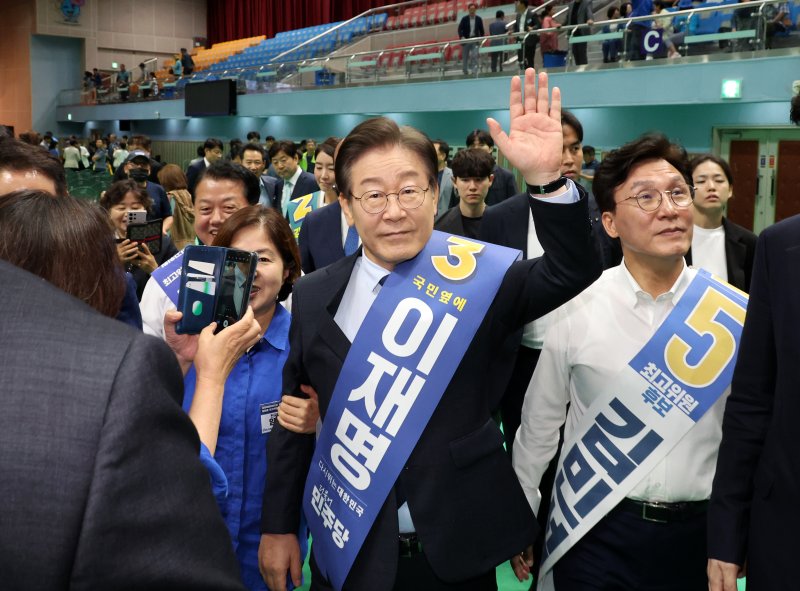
(238, 272)
(215, 286)
(138, 216)
(149, 233)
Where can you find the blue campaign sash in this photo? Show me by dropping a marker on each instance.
(168, 276)
(390, 384)
(299, 208)
(656, 399)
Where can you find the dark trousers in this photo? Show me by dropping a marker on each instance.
(623, 552)
(511, 405)
(527, 52)
(498, 57)
(415, 574)
(579, 50)
(633, 42)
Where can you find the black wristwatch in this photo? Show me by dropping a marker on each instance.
(548, 188)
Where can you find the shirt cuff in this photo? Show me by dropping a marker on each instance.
(571, 196)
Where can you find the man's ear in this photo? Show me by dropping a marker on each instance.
(609, 224)
(348, 213)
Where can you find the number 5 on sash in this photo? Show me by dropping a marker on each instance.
(704, 320)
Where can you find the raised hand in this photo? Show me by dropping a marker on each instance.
(534, 142)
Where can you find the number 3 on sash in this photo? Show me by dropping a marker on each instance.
(464, 251)
(703, 320)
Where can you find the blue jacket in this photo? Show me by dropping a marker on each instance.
(249, 409)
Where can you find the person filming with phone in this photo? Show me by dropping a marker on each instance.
(122, 198)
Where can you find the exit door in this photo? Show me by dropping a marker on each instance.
(766, 174)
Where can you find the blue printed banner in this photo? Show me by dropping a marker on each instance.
(402, 360)
(299, 208)
(168, 276)
(680, 373)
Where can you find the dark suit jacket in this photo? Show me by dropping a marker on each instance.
(320, 238)
(193, 174)
(753, 514)
(306, 183)
(101, 479)
(467, 505)
(740, 252)
(451, 222)
(463, 28)
(270, 183)
(503, 186)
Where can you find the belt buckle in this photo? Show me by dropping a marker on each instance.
(645, 515)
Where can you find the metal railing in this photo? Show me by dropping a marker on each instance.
(439, 60)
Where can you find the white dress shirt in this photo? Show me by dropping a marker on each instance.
(590, 341)
(533, 333)
(708, 251)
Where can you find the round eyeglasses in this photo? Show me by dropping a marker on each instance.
(650, 199)
(410, 197)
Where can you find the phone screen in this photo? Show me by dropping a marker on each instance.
(235, 285)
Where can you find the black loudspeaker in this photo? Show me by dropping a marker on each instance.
(124, 124)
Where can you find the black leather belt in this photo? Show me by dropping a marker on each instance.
(663, 512)
(409, 545)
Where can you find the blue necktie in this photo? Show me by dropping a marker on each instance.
(351, 242)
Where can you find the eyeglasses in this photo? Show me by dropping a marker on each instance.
(650, 199)
(410, 197)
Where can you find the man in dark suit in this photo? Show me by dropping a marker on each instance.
(212, 151)
(324, 237)
(472, 176)
(471, 26)
(293, 181)
(718, 245)
(752, 516)
(102, 484)
(526, 21)
(254, 159)
(463, 502)
(503, 185)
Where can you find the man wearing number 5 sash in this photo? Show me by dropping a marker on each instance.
(643, 360)
(408, 485)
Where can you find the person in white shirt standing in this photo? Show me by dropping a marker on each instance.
(655, 538)
(718, 245)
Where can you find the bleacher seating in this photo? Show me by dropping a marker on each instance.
(432, 14)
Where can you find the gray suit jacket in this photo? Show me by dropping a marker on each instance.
(446, 191)
(102, 487)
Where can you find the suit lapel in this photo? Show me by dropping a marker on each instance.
(735, 255)
(518, 234)
(329, 332)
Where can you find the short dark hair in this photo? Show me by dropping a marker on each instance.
(794, 110)
(212, 143)
(499, 14)
(251, 147)
(19, 156)
(444, 147)
(328, 146)
(613, 171)
(567, 118)
(589, 151)
(225, 170)
(472, 163)
(288, 147)
(253, 135)
(382, 132)
(269, 138)
(141, 141)
(31, 137)
(279, 232)
(118, 190)
(481, 136)
(611, 10)
(525, 2)
(726, 168)
(35, 238)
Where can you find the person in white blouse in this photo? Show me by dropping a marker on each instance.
(644, 191)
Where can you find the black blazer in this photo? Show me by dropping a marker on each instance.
(320, 238)
(450, 221)
(193, 174)
(467, 505)
(101, 476)
(306, 183)
(503, 186)
(753, 514)
(270, 183)
(463, 27)
(740, 252)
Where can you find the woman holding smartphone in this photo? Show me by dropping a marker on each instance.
(252, 390)
(123, 197)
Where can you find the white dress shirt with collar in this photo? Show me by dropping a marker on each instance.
(708, 251)
(288, 187)
(591, 339)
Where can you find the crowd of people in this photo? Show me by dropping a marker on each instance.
(204, 461)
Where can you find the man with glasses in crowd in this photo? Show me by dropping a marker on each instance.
(655, 538)
(451, 511)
